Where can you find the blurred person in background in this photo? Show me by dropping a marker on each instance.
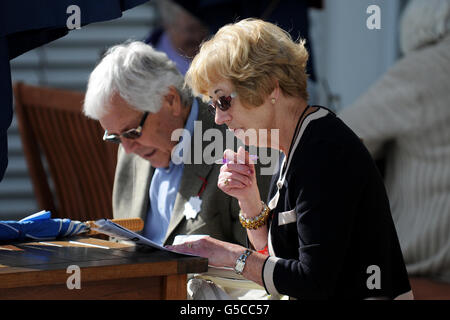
(180, 34)
(405, 118)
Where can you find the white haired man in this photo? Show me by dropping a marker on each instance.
(137, 94)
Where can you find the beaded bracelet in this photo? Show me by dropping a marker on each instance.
(255, 222)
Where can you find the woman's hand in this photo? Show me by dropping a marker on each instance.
(219, 253)
(237, 178)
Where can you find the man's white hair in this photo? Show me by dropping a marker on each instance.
(423, 23)
(139, 74)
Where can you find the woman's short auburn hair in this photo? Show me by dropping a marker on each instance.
(253, 55)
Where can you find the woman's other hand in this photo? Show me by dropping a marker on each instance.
(237, 178)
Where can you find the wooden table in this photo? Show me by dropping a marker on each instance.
(108, 270)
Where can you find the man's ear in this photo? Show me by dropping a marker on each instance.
(174, 101)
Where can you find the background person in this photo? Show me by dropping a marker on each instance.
(135, 86)
(180, 34)
(327, 223)
(404, 118)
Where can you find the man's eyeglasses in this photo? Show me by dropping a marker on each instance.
(129, 134)
(223, 103)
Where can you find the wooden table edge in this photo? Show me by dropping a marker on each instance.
(29, 277)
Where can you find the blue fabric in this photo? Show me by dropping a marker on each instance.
(28, 24)
(165, 45)
(163, 191)
(40, 226)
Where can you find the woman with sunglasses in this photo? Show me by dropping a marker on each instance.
(326, 230)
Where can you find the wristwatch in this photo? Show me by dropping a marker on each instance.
(240, 262)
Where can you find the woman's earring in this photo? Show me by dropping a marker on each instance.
(273, 100)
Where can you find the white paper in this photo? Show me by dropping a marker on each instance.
(182, 238)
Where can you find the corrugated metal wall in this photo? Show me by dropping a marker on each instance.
(64, 63)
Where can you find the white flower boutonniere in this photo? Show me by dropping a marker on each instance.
(192, 208)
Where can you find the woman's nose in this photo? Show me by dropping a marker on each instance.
(221, 117)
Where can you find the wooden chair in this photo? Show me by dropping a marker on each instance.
(81, 165)
(427, 289)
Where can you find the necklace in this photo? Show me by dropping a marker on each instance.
(294, 138)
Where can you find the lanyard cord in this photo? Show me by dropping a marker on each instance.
(296, 132)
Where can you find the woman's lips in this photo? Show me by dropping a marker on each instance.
(237, 129)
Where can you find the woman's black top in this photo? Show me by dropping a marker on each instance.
(331, 234)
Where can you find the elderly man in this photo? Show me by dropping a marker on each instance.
(137, 94)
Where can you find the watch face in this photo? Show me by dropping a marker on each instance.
(239, 266)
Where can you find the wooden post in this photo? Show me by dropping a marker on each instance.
(174, 287)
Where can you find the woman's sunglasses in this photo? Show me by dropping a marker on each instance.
(223, 103)
(129, 134)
